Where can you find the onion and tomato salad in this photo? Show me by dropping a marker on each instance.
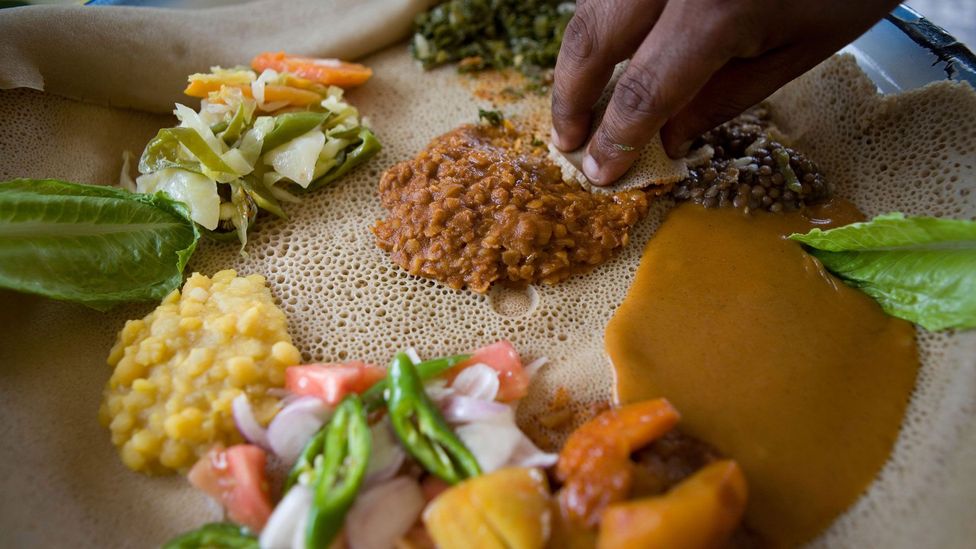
(367, 447)
(427, 454)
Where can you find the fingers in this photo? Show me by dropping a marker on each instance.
(683, 50)
(737, 86)
(601, 34)
(743, 83)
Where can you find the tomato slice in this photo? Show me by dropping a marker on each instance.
(235, 477)
(332, 382)
(502, 357)
(329, 72)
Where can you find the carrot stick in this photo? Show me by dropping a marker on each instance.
(329, 72)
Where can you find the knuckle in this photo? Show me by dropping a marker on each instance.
(637, 91)
(580, 39)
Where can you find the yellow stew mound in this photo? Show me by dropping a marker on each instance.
(178, 370)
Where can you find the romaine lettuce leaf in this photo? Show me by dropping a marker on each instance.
(922, 269)
(91, 244)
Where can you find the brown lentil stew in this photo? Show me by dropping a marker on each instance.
(749, 170)
(483, 204)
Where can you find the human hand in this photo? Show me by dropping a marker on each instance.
(693, 65)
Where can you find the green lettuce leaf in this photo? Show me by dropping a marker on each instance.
(922, 269)
(95, 245)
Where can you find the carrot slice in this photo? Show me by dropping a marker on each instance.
(293, 96)
(203, 87)
(200, 85)
(595, 465)
(329, 72)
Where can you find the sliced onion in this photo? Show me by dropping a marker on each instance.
(384, 513)
(412, 355)
(280, 530)
(294, 425)
(386, 455)
(478, 381)
(527, 454)
(298, 537)
(492, 441)
(247, 424)
(465, 409)
(438, 391)
(532, 368)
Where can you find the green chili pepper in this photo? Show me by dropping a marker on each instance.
(290, 125)
(306, 461)
(216, 535)
(338, 471)
(372, 399)
(421, 428)
(366, 149)
(428, 369)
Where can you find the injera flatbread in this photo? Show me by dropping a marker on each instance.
(652, 167)
(63, 483)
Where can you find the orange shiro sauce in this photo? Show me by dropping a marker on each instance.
(779, 365)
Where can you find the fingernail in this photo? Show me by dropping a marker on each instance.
(557, 140)
(591, 169)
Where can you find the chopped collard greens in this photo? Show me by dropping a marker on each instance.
(482, 34)
(492, 118)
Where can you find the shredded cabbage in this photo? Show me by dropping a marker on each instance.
(296, 159)
(197, 191)
(257, 87)
(258, 157)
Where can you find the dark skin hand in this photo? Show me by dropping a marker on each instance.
(693, 65)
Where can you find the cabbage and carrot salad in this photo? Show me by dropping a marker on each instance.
(263, 135)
